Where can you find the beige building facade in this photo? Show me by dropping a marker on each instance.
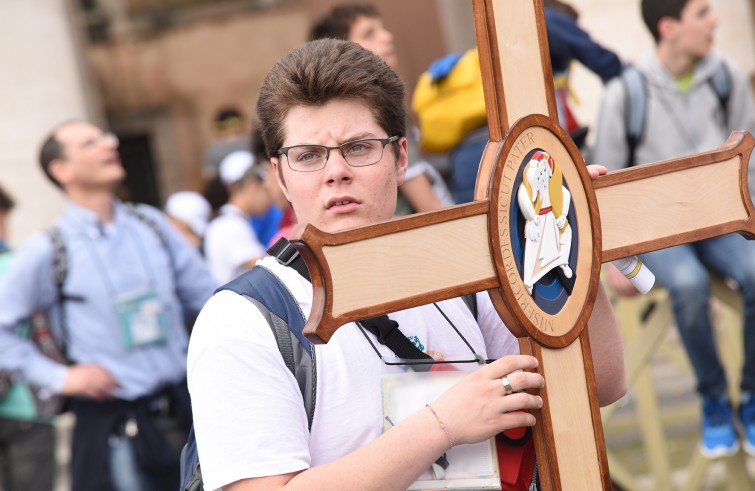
(157, 75)
(43, 81)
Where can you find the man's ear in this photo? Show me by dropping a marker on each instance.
(59, 171)
(667, 27)
(275, 162)
(403, 161)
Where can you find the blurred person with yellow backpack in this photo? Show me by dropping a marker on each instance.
(450, 106)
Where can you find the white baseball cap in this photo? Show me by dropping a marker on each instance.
(234, 166)
(191, 208)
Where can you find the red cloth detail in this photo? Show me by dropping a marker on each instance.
(516, 464)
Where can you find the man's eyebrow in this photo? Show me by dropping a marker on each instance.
(358, 136)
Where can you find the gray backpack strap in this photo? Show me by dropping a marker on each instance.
(286, 320)
(635, 109)
(152, 224)
(60, 272)
(282, 336)
(636, 102)
(721, 84)
(59, 260)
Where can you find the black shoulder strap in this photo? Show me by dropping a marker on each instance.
(384, 329)
(635, 109)
(471, 302)
(287, 255)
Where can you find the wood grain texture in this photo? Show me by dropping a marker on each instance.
(569, 412)
(368, 271)
(524, 59)
(447, 254)
(677, 201)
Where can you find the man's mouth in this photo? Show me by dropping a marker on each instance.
(340, 202)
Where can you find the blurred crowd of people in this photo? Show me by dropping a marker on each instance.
(96, 312)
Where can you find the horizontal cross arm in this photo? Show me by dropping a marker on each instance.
(659, 205)
(398, 264)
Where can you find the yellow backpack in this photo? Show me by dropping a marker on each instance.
(449, 101)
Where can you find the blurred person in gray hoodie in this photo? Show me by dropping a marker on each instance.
(686, 113)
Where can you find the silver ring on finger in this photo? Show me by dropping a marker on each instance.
(506, 385)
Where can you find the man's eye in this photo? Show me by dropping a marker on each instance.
(309, 156)
(359, 148)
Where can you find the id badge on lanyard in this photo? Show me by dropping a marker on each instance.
(466, 466)
(141, 319)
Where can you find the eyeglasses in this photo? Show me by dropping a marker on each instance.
(108, 138)
(356, 153)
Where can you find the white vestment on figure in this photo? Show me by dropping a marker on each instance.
(547, 236)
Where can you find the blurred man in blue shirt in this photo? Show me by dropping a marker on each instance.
(118, 317)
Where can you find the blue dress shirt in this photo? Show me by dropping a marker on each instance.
(104, 261)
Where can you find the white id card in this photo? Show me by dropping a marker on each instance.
(470, 467)
(141, 319)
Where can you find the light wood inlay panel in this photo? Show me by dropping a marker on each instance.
(521, 63)
(565, 382)
(633, 212)
(463, 257)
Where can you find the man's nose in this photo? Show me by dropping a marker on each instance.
(336, 167)
(110, 140)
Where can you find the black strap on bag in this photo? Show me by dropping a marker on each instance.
(387, 333)
(287, 255)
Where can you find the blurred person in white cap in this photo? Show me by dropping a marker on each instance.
(189, 212)
(231, 245)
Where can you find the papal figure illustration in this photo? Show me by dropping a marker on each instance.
(544, 203)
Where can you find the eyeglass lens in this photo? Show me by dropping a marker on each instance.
(357, 153)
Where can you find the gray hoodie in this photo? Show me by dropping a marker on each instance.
(677, 123)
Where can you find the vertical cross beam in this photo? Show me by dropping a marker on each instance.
(489, 244)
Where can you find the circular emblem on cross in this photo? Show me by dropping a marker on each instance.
(545, 234)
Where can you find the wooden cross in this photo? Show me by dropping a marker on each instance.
(479, 246)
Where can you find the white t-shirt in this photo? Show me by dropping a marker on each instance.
(229, 243)
(249, 415)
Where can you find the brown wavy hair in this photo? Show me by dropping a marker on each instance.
(325, 70)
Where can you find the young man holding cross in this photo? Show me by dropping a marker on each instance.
(332, 119)
(684, 115)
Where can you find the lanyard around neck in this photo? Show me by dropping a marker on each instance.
(101, 265)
